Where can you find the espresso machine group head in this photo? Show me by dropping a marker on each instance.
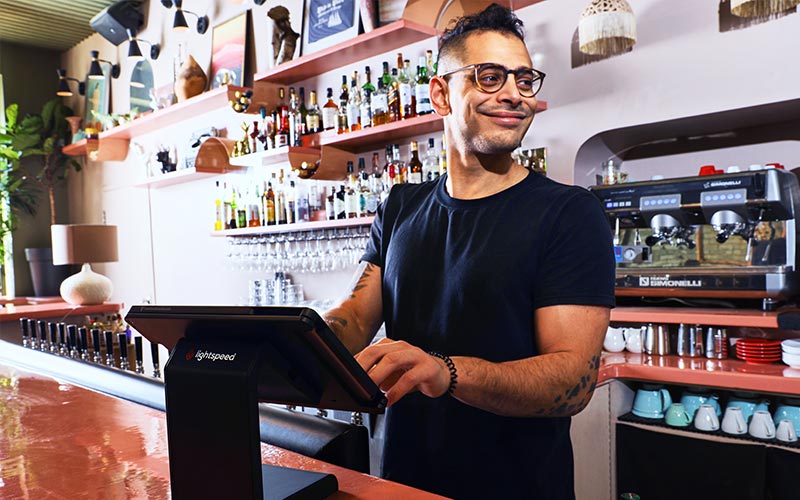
(734, 204)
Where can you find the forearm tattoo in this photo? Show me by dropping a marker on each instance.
(576, 397)
(362, 281)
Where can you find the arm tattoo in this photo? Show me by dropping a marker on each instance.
(362, 281)
(577, 396)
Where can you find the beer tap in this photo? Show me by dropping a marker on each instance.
(52, 327)
(137, 342)
(123, 351)
(37, 343)
(154, 353)
(23, 324)
(72, 341)
(109, 348)
(83, 337)
(97, 356)
(62, 339)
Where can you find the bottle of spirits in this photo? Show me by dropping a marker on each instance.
(232, 223)
(399, 165)
(280, 200)
(281, 120)
(253, 201)
(313, 115)
(389, 171)
(270, 206)
(241, 211)
(330, 203)
(302, 210)
(330, 112)
(375, 188)
(393, 98)
(354, 105)
(414, 165)
(289, 195)
(443, 157)
(380, 105)
(303, 111)
(295, 119)
(363, 187)
(366, 99)
(351, 193)
(430, 165)
(341, 117)
(403, 88)
(430, 63)
(422, 90)
(339, 205)
(218, 224)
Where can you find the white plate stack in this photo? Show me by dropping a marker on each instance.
(791, 352)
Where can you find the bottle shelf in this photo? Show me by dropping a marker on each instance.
(287, 154)
(786, 318)
(299, 226)
(176, 177)
(377, 41)
(151, 122)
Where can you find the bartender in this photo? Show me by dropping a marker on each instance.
(495, 286)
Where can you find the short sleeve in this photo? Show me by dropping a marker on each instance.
(577, 264)
(373, 252)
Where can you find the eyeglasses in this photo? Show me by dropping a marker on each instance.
(490, 77)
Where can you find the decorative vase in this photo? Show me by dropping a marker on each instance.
(191, 80)
(86, 288)
(74, 125)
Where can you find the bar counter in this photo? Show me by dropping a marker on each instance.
(59, 440)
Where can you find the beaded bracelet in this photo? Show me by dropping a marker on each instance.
(450, 366)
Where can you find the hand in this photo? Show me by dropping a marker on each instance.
(398, 368)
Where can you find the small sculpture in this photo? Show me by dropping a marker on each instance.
(284, 38)
(191, 80)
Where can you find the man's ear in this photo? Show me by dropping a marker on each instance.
(440, 96)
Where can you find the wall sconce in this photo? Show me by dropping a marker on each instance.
(135, 53)
(96, 72)
(63, 84)
(760, 8)
(606, 27)
(180, 24)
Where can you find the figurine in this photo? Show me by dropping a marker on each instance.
(284, 38)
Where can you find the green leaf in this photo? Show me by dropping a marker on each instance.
(49, 145)
(12, 112)
(48, 114)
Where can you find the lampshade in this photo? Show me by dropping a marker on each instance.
(180, 23)
(81, 243)
(63, 88)
(606, 27)
(95, 71)
(759, 8)
(134, 53)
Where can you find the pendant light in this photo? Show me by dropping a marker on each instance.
(607, 27)
(63, 84)
(135, 52)
(179, 22)
(761, 8)
(96, 72)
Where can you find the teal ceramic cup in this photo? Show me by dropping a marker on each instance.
(789, 412)
(677, 416)
(748, 405)
(693, 400)
(651, 401)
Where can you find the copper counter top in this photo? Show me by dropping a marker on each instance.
(59, 440)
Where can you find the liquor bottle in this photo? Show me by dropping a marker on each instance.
(410, 110)
(252, 206)
(400, 166)
(303, 111)
(389, 172)
(218, 224)
(423, 89)
(313, 115)
(330, 203)
(393, 98)
(380, 105)
(330, 111)
(227, 211)
(295, 119)
(282, 121)
(354, 105)
(232, 224)
(430, 63)
(241, 211)
(341, 117)
(430, 165)
(366, 99)
(270, 205)
(414, 165)
(339, 203)
(351, 193)
(443, 157)
(363, 187)
(280, 200)
(386, 78)
(301, 208)
(314, 205)
(375, 186)
(403, 89)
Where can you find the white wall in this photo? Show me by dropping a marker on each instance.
(681, 66)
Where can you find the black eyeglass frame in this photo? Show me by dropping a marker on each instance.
(538, 76)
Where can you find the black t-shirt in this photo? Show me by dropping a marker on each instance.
(463, 277)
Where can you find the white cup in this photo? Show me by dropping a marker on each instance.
(786, 431)
(614, 341)
(733, 422)
(633, 339)
(761, 425)
(706, 419)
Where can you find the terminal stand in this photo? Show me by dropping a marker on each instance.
(213, 429)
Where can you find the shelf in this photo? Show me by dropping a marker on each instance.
(378, 41)
(699, 316)
(286, 154)
(300, 226)
(176, 177)
(732, 374)
(211, 100)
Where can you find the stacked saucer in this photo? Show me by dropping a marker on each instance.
(791, 352)
(755, 350)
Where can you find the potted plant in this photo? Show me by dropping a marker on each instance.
(35, 144)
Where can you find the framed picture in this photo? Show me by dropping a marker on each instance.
(97, 96)
(228, 49)
(328, 22)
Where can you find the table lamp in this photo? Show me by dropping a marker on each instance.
(84, 244)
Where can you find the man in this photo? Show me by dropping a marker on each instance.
(505, 276)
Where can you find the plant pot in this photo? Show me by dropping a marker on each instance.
(45, 276)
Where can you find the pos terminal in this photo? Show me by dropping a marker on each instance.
(223, 362)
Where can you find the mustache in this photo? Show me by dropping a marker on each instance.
(519, 110)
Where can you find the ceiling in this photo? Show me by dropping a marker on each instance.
(50, 24)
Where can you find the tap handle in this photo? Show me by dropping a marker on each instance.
(137, 342)
(123, 345)
(62, 334)
(23, 325)
(96, 339)
(109, 335)
(72, 336)
(83, 339)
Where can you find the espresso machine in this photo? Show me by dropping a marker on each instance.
(725, 236)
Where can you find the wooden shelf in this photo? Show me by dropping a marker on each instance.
(293, 155)
(787, 318)
(378, 41)
(300, 226)
(733, 374)
(176, 177)
(151, 122)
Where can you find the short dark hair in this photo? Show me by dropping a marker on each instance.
(493, 18)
